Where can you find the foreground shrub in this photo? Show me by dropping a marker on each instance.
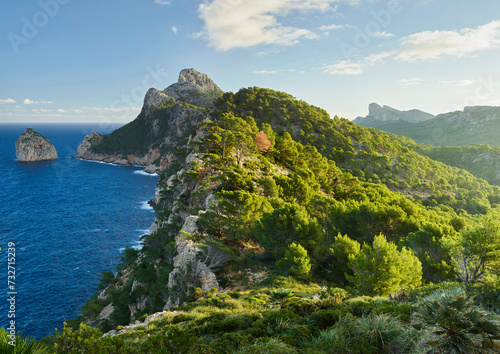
(267, 345)
(23, 345)
(457, 325)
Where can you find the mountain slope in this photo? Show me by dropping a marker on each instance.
(268, 196)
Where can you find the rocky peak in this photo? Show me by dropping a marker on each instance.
(195, 88)
(202, 81)
(472, 115)
(32, 146)
(389, 114)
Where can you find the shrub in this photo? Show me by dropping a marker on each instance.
(323, 319)
(24, 345)
(267, 345)
(280, 294)
(329, 341)
(377, 331)
(456, 323)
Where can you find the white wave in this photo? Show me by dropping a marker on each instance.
(142, 173)
(105, 163)
(143, 231)
(137, 245)
(146, 206)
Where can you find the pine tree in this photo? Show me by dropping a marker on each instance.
(382, 269)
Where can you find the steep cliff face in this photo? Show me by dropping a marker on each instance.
(31, 146)
(165, 135)
(167, 117)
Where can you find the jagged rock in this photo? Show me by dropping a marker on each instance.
(155, 98)
(188, 268)
(106, 312)
(389, 114)
(32, 146)
(472, 115)
(195, 88)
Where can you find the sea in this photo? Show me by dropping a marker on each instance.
(62, 223)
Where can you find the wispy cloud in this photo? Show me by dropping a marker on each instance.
(344, 67)
(174, 29)
(427, 45)
(411, 82)
(265, 72)
(28, 101)
(8, 100)
(458, 82)
(163, 2)
(331, 27)
(436, 44)
(241, 24)
(383, 35)
(272, 72)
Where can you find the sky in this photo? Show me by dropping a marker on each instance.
(65, 61)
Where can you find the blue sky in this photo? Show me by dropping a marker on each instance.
(93, 61)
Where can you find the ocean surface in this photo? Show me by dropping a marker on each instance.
(69, 220)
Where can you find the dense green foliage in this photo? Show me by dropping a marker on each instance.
(278, 188)
(482, 161)
(281, 315)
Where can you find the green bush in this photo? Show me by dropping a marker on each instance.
(323, 319)
(456, 323)
(23, 345)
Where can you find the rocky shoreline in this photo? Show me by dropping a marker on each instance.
(84, 152)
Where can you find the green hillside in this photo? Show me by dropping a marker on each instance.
(323, 236)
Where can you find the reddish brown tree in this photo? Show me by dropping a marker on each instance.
(262, 142)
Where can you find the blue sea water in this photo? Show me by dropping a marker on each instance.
(69, 220)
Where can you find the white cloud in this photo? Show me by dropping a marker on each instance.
(331, 27)
(458, 82)
(383, 35)
(163, 2)
(344, 67)
(265, 72)
(8, 100)
(411, 82)
(428, 45)
(61, 110)
(378, 58)
(175, 29)
(241, 24)
(78, 111)
(28, 101)
(435, 44)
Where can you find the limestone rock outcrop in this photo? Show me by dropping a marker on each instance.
(389, 114)
(32, 146)
(167, 117)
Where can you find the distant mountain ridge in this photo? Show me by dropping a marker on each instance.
(472, 125)
(389, 114)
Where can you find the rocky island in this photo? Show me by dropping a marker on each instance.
(32, 146)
